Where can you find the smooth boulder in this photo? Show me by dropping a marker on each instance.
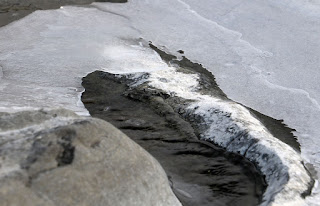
(54, 157)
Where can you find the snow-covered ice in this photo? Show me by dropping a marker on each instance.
(233, 127)
(264, 54)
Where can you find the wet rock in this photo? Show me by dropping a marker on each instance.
(213, 118)
(199, 172)
(54, 157)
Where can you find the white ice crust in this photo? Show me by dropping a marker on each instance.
(264, 54)
(282, 166)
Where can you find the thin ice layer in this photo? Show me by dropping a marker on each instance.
(44, 56)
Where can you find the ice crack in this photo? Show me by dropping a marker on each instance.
(264, 54)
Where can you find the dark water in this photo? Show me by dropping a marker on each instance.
(200, 173)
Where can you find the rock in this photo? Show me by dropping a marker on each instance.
(200, 173)
(11, 10)
(54, 157)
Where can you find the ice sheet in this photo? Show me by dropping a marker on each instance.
(264, 54)
(45, 55)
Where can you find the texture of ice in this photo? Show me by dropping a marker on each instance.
(45, 55)
(264, 54)
(233, 127)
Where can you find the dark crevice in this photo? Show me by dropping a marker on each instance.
(66, 156)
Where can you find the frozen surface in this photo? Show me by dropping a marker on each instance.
(264, 54)
(44, 56)
(233, 127)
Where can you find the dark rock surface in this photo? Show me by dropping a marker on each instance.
(11, 10)
(200, 173)
(56, 158)
(257, 138)
(209, 87)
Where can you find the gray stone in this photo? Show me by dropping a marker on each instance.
(54, 157)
